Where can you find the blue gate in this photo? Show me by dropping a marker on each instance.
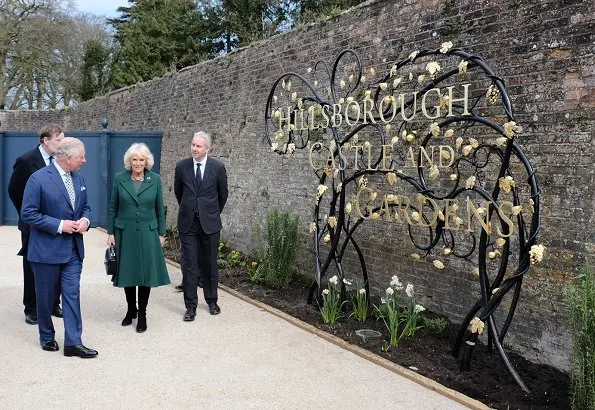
(104, 151)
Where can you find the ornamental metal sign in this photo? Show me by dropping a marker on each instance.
(424, 150)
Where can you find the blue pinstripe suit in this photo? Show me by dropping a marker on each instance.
(56, 258)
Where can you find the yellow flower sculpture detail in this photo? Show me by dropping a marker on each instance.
(476, 326)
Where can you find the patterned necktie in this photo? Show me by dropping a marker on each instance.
(198, 176)
(51, 159)
(69, 187)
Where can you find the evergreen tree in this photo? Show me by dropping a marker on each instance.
(155, 36)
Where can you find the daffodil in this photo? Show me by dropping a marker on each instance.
(274, 146)
(506, 183)
(449, 133)
(391, 177)
(415, 256)
(463, 66)
(415, 216)
(434, 172)
(470, 183)
(501, 141)
(454, 177)
(342, 84)
(279, 135)
(516, 209)
(476, 325)
(321, 190)
(536, 253)
(389, 291)
(312, 227)
(413, 55)
(433, 68)
(325, 291)
(348, 207)
(421, 78)
(334, 280)
(438, 264)
(435, 129)
(500, 242)
(510, 129)
(467, 150)
(363, 181)
(393, 71)
(397, 81)
(493, 94)
(331, 221)
(446, 251)
(473, 142)
(383, 86)
(326, 238)
(375, 216)
(293, 96)
(418, 309)
(445, 155)
(445, 47)
(409, 290)
(458, 142)
(395, 282)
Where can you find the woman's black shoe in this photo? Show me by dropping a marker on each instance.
(127, 321)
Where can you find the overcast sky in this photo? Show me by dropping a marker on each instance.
(101, 7)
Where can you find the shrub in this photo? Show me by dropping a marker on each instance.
(580, 297)
(435, 325)
(279, 261)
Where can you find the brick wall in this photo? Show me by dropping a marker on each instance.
(542, 49)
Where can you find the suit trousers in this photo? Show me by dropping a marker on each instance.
(29, 297)
(47, 278)
(199, 259)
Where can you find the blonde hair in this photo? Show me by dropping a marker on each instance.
(140, 149)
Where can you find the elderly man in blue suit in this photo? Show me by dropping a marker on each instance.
(55, 206)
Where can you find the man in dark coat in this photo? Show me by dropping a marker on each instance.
(200, 186)
(50, 137)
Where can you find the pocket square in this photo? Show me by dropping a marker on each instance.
(83, 188)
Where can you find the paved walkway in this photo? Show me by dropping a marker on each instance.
(247, 357)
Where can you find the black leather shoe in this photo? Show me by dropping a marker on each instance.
(214, 309)
(80, 351)
(179, 288)
(49, 345)
(189, 315)
(31, 318)
(57, 311)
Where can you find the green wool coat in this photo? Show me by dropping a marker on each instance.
(137, 220)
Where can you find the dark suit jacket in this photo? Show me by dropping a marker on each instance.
(23, 168)
(208, 201)
(45, 204)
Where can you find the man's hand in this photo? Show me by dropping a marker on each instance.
(69, 226)
(111, 240)
(82, 225)
(161, 240)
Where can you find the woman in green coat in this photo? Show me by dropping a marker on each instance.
(136, 226)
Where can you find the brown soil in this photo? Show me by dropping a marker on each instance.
(488, 381)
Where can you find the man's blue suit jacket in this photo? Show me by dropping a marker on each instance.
(45, 204)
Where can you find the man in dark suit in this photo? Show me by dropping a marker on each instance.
(55, 206)
(200, 186)
(50, 137)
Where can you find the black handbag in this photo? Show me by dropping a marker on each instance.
(110, 261)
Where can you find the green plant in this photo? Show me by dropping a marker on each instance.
(580, 297)
(282, 239)
(229, 258)
(172, 239)
(435, 325)
(359, 299)
(331, 302)
(400, 315)
(255, 272)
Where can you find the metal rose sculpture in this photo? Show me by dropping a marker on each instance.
(424, 149)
